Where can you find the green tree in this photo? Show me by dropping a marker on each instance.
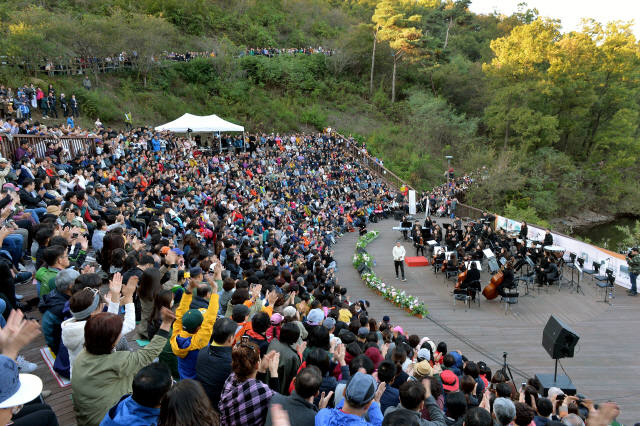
(399, 31)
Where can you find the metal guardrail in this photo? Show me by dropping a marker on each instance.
(72, 144)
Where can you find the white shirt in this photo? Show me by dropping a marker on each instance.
(399, 253)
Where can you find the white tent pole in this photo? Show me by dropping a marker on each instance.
(244, 145)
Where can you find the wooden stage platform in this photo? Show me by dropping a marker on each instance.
(606, 364)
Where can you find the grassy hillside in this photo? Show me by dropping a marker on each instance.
(552, 116)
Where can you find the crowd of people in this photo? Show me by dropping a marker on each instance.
(23, 103)
(225, 262)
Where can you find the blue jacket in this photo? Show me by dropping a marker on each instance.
(51, 306)
(127, 412)
(155, 144)
(336, 417)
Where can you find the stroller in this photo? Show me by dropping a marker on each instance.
(442, 211)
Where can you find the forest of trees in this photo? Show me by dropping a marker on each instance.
(552, 115)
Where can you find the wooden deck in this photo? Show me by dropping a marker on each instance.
(606, 364)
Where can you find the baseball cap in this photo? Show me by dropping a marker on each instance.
(164, 250)
(177, 251)
(17, 389)
(61, 173)
(276, 319)
(315, 317)
(329, 323)
(398, 329)
(449, 381)
(363, 331)
(191, 320)
(195, 271)
(360, 389)
(3, 160)
(386, 319)
(424, 355)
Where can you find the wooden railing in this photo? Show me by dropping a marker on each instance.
(465, 211)
(373, 165)
(72, 144)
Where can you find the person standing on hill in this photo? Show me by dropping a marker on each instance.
(398, 259)
(86, 82)
(633, 260)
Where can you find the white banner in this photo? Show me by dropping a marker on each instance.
(589, 253)
(412, 202)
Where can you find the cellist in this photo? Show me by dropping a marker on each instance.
(507, 281)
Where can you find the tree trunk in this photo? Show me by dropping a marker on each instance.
(373, 59)
(446, 40)
(393, 80)
(144, 80)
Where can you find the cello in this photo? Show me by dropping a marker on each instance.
(490, 292)
(462, 276)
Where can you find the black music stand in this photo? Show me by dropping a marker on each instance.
(578, 288)
(528, 279)
(571, 265)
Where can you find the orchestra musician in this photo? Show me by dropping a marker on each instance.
(521, 254)
(437, 235)
(524, 231)
(428, 222)
(507, 281)
(548, 238)
(548, 274)
(418, 242)
(489, 218)
(473, 274)
(404, 231)
(457, 223)
(441, 256)
(415, 230)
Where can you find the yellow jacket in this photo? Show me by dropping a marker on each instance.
(201, 338)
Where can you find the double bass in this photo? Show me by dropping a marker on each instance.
(490, 292)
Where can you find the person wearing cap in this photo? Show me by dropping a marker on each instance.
(414, 396)
(192, 329)
(362, 337)
(633, 260)
(361, 395)
(19, 389)
(450, 382)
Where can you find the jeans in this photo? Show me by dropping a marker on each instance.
(38, 212)
(399, 263)
(13, 244)
(633, 278)
(3, 306)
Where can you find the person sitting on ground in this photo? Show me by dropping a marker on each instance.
(187, 404)
(299, 404)
(360, 398)
(213, 366)
(101, 376)
(413, 396)
(391, 395)
(142, 407)
(52, 305)
(503, 411)
(544, 406)
(245, 397)
(456, 408)
(192, 329)
(524, 414)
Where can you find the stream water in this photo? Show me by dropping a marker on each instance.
(606, 235)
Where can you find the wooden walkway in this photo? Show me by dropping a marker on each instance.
(606, 364)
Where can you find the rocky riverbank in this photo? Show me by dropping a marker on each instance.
(587, 218)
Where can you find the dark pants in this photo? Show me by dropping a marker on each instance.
(74, 111)
(7, 284)
(633, 278)
(128, 126)
(399, 263)
(54, 111)
(420, 249)
(35, 415)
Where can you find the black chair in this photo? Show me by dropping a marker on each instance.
(511, 298)
(608, 284)
(437, 265)
(467, 295)
(596, 271)
(450, 271)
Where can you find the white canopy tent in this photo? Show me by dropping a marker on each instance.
(199, 124)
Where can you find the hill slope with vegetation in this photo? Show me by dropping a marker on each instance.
(553, 116)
